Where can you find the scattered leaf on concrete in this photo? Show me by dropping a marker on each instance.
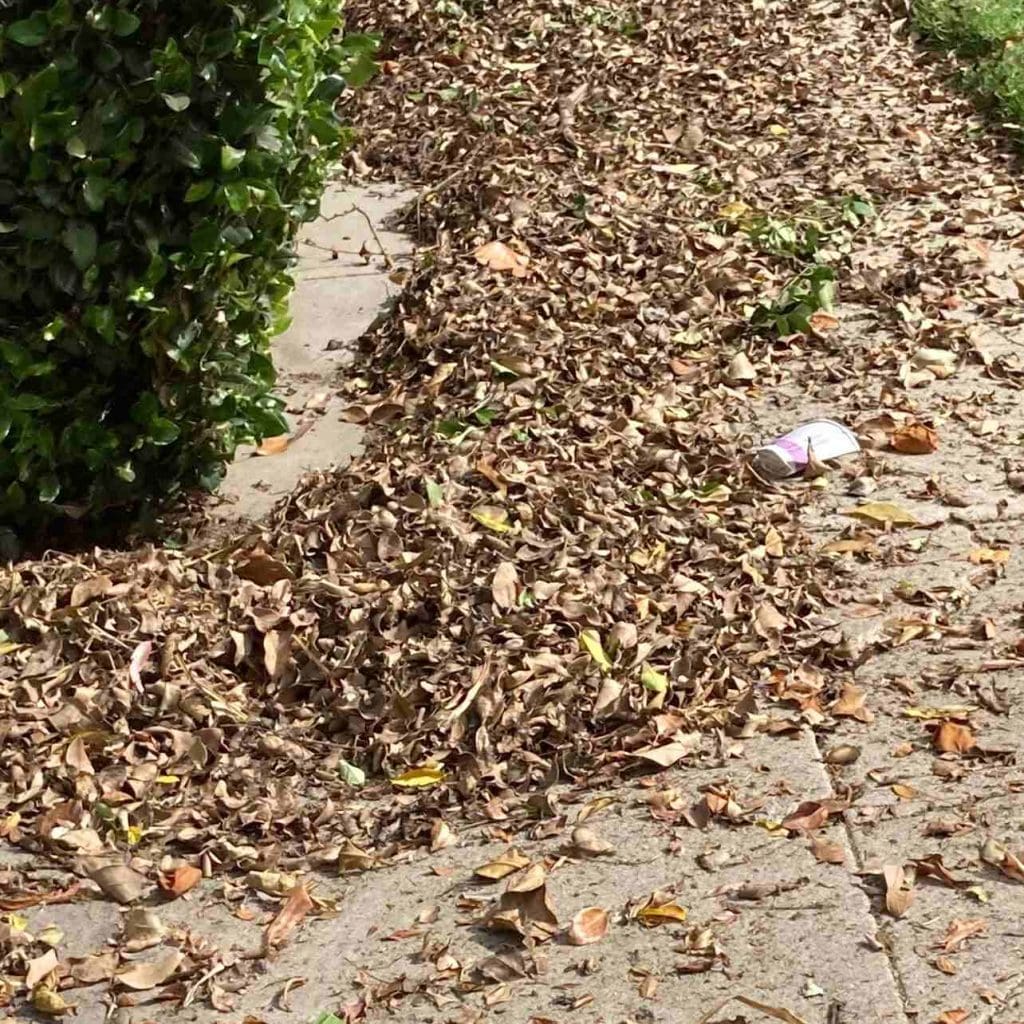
(588, 926)
(882, 512)
(852, 704)
(953, 738)
(808, 816)
(118, 881)
(145, 975)
(826, 852)
(989, 556)
(914, 439)
(898, 892)
(502, 866)
(289, 917)
(180, 880)
(958, 931)
(660, 908)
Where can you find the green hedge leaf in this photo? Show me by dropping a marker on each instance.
(156, 161)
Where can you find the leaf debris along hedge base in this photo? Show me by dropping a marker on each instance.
(156, 160)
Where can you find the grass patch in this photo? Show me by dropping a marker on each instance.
(990, 35)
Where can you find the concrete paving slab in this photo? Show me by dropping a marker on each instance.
(345, 276)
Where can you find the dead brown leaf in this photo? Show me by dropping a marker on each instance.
(808, 816)
(914, 439)
(826, 852)
(852, 704)
(898, 893)
(289, 917)
(504, 586)
(143, 976)
(953, 738)
(588, 926)
(180, 880)
(498, 256)
(958, 931)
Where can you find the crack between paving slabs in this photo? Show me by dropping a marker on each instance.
(855, 851)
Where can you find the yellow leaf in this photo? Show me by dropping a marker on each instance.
(418, 778)
(15, 922)
(133, 834)
(653, 913)
(882, 512)
(10, 647)
(734, 211)
(46, 1000)
(989, 556)
(492, 517)
(168, 780)
(777, 130)
(653, 679)
(950, 711)
(590, 640)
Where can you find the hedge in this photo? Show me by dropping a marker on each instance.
(156, 161)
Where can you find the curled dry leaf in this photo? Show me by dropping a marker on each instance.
(289, 917)
(504, 586)
(118, 881)
(90, 589)
(587, 843)
(989, 556)
(932, 867)
(525, 907)
(141, 929)
(852, 704)
(143, 976)
(39, 968)
(588, 926)
(274, 445)
(90, 970)
(953, 738)
(810, 815)
(998, 856)
(501, 867)
(498, 256)
(660, 908)
(882, 512)
(958, 931)
(180, 880)
(354, 858)
(914, 439)
(826, 852)
(844, 754)
(957, 1016)
(898, 893)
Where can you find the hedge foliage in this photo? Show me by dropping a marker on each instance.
(156, 160)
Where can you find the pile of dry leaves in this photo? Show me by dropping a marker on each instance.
(551, 557)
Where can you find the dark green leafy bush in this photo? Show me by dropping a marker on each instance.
(156, 160)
